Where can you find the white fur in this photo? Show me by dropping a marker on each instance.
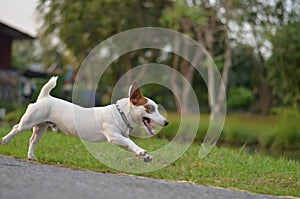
(95, 124)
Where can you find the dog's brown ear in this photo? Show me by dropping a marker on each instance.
(136, 95)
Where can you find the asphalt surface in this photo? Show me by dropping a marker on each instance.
(22, 179)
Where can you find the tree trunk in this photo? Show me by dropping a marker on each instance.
(265, 96)
(182, 89)
(221, 94)
(173, 82)
(226, 68)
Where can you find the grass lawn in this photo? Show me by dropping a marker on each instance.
(223, 167)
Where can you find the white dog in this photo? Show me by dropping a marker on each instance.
(110, 123)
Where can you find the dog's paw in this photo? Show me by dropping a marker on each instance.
(147, 158)
(142, 153)
(31, 158)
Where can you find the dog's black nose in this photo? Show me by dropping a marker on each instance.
(166, 123)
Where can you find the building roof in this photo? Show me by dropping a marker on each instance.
(13, 32)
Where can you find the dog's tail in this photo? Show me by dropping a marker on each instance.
(47, 87)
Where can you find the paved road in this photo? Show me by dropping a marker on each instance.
(22, 179)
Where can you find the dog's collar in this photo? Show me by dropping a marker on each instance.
(123, 116)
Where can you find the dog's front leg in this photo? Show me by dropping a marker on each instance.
(126, 143)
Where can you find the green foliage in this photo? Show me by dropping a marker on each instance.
(239, 135)
(283, 66)
(174, 17)
(250, 130)
(24, 53)
(287, 134)
(8, 105)
(81, 25)
(240, 97)
(242, 72)
(15, 115)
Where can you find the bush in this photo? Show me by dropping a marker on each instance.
(14, 116)
(240, 97)
(238, 135)
(272, 132)
(266, 138)
(9, 106)
(287, 133)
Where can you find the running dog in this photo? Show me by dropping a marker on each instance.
(111, 123)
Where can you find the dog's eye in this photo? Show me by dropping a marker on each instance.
(150, 109)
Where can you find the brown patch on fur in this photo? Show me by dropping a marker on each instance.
(136, 95)
(148, 108)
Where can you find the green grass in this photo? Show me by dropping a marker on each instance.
(223, 167)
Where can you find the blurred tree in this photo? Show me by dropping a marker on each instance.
(232, 31)
(283, 66)
(224, 26)
(258, 20)
(208, 23)
(242, 76)
(71, 29)
(25, 53)
(240, 98)
(242, 73)
(80, 25)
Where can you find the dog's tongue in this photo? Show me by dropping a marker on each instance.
(152, 124)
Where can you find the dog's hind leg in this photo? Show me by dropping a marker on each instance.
(15, 130)
(28, 120)
(38, 131)
(18, 128)
(10, 135)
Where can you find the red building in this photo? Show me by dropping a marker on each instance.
(7, 35)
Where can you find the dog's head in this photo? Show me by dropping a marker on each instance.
(144, 111)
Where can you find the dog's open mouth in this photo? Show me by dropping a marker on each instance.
(150, 125)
